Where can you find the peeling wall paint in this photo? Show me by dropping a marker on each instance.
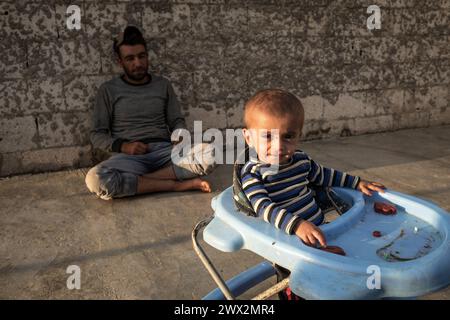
(351, 80)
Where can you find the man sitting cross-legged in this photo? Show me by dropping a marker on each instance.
(134, 117)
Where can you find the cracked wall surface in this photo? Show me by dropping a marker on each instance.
(217, 53)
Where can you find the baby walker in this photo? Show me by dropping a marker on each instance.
(394, 246)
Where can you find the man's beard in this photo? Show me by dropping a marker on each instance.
(137, 76)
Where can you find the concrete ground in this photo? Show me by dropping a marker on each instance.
(140, 248)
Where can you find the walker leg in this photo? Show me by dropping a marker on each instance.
(207, 262)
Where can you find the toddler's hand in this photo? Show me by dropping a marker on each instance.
(310, 233)
(366, 186)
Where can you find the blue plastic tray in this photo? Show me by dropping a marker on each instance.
(412, 255)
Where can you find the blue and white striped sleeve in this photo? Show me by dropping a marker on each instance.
(264, 207)
(323, 176)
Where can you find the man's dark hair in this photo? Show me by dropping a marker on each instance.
(130, 36)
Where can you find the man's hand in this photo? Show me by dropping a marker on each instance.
(366, 186)
(134, 148)
(310, 234)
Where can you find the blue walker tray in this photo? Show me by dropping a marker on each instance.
(412, 256)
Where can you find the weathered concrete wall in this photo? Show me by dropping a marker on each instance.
(217, 53)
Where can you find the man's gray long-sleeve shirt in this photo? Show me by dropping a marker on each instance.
(125, 112)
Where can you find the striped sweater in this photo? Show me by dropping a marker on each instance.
(282, 197)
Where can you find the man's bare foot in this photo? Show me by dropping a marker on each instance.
(204, 186)
(193, 184)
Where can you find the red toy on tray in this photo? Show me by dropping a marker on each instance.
(376, 234)
(334, 249)
(384, 208)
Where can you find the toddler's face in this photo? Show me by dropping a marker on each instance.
(274, 138)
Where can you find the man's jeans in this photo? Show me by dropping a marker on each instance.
(118, 176)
